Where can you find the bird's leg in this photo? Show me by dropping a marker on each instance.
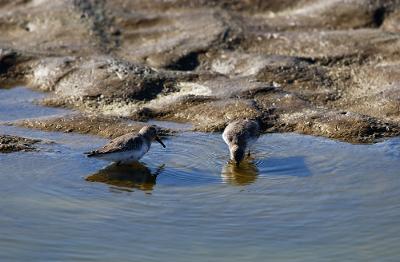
(159, 170)
(248, 153)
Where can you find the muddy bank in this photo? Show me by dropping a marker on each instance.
(325, 68)
(10, 144)
(108, 127)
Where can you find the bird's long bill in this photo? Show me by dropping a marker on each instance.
(159, 141)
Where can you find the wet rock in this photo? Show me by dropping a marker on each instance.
(109, 127)
(345, 126)
(211, 115)
(375, 91)
(287, 112)
(312, 82)
(279, 102)
(10, 144)
(189, 93)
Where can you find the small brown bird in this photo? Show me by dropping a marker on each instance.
(128, 148)
(240, 135)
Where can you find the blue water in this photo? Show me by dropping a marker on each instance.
(20, 103)
(298, 198)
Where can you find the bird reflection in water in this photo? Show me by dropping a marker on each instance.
(135, 175)
(244, 174)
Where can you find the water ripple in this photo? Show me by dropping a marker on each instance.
(297, 197)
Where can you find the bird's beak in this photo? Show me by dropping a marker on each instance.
(159, 141)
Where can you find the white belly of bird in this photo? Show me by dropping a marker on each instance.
(225, 138)
(125, 156)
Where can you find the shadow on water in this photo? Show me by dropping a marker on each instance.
(135, 175)
(244, 174)
(288, 166)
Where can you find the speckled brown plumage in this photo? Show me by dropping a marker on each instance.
(240, 135)
(128, 147)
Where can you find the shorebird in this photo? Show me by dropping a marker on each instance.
(239, 136)
(128, 148)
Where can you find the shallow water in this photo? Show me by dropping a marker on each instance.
(18, 103)
(298, 198)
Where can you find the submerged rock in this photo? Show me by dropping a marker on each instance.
(10, 144)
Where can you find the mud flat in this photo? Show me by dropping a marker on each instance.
(309, 66)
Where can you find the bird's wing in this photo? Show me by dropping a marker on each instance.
(252, 128)
(239, 131)
(119, 144)
(235, 133)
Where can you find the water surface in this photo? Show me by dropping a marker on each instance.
(298, 198)
(20, 103)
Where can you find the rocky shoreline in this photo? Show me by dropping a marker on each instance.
(323, 68)
(10, 144)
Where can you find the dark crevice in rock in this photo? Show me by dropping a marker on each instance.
(12, 69)
(150, 90)
(379, 16)
(188, 62)
(7, 60)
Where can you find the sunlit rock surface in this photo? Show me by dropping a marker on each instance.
(326, 68)
(109, 127)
